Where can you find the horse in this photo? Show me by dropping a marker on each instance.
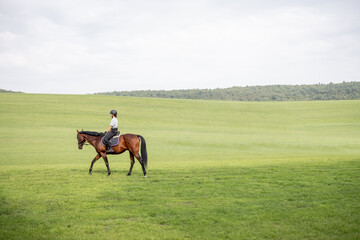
(130, 142)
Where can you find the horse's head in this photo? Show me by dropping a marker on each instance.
(81, 140)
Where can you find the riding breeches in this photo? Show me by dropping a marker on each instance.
(109, 135)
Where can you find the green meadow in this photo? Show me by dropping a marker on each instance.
(216, 169)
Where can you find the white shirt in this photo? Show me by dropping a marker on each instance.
(114, 122)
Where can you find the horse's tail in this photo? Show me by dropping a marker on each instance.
(144, 155)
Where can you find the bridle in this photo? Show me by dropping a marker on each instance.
(83, 142)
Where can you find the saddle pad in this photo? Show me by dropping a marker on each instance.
(113, 141)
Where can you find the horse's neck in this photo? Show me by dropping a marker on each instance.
(92, 139)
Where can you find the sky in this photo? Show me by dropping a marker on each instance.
(79, 47)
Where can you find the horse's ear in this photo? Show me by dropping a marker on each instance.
(77, 131)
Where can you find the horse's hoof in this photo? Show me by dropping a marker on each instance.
(128, 174)
(90, 173)
(108, 174)
(145, 175)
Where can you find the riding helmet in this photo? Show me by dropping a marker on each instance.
(113, 112)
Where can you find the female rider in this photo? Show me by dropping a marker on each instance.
(112, 130)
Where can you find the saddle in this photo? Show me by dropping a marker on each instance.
(113, 141)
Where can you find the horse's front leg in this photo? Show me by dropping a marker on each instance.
(92, 163)
(103, 155)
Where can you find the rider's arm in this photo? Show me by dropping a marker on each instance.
(108, 129)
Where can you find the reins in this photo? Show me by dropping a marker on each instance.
(86, 141)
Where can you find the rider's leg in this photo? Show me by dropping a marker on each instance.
(107, 138)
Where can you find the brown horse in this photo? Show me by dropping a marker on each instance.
(130, 142)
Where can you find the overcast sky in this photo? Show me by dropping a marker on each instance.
(94, 46)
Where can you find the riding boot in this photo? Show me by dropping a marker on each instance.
(109, 149)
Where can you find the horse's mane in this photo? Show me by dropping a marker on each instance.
(95, 134)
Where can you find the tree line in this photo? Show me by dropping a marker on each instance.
(7, 91)
(331, 91)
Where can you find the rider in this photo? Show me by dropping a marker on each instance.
(112, 130)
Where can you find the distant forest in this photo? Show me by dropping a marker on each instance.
(331, 91)
(7, 91)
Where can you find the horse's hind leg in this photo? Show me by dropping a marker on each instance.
(103, 155)
(138, 157)
(92, 163)
(132, 161)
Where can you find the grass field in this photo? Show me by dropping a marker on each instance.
(217, 170)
